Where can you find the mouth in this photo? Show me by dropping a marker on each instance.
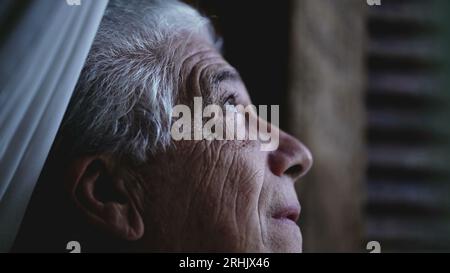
(288, 214)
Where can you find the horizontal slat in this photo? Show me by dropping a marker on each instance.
(407, 125)
(421, 85)
(410, 197)
(430, 231)
(418, 49)
(422, 158)
(401, 12)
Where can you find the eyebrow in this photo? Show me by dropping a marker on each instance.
(218, 77)
(224, 75)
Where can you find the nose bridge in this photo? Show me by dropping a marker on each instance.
(306, 158)
(298, 151)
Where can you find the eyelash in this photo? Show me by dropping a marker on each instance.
(231, 99)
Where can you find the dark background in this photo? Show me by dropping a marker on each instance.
(256, 43)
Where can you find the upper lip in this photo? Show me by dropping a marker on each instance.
(290, 212)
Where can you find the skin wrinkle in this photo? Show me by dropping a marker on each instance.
(235, 202)
(217, 158)
(259, 215)
(214, 166)
(229, 179)
(207, 173)
(224, 75)
(222, 190)
(230, 172)
(197, 81)
(199, 71)
(197, 78)
(207, 181)
(201, 196)
(187, 84)
(198, 188)
(194, 195)
(240, 242)
(249, 180)
(218, 213)
(205, 81)
(249, 225)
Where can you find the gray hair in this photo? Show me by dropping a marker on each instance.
(123, 100)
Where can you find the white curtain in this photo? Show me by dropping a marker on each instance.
(41, 60)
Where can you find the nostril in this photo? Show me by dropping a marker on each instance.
(294, 171)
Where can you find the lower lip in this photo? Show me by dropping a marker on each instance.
(286, 225)
(285, 221)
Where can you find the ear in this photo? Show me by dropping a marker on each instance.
(104, 197)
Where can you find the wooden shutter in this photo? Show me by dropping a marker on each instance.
(408, 201)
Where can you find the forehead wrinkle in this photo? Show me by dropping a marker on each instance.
(184, 72)
(226, 74)
(196, 83)
(209, 77)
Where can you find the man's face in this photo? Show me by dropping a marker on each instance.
(222, 195)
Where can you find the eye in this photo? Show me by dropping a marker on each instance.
(230, 104)
(230, 100)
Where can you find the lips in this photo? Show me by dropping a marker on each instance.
(288, 213)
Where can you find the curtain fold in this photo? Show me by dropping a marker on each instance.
(41, 60)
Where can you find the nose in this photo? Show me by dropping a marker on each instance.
(292, 158)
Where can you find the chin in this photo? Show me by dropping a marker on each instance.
(285, 237)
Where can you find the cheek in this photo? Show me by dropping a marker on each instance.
(206, 196)
(229, 179)
(240, 171)
(243, 170)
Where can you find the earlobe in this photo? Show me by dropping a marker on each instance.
(123, 214)
(103, 197)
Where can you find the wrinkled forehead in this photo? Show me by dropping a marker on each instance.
(202, 69)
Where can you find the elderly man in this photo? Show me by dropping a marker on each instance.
(117, 181)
